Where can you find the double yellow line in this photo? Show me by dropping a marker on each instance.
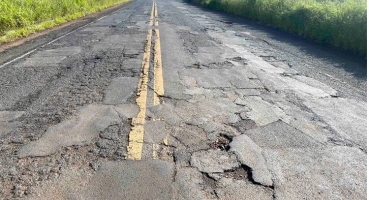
(136, 136)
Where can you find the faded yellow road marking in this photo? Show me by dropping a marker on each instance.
(151, 23)
(156, 15)
(166, 140)
(155, 149)
(157, 119)
(158, 70)
(136, 135)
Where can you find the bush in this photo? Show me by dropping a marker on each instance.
(338, 23)
(23, 17)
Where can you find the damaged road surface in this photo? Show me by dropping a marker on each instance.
(163, 100)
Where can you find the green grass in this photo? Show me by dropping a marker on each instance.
(20, 18)
(338, 23)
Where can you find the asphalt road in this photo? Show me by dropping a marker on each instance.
(165, 100)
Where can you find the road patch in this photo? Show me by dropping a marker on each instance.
(119, 90)
(79, 130)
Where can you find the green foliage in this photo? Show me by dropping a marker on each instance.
(20, 18)
(339, 23)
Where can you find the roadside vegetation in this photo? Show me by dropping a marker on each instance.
(339, 23)
(19, 18)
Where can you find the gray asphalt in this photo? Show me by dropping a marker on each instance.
(248, 112)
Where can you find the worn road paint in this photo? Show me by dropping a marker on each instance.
(165, 141)
(155, 149)
(136, 136)
(134, 148)
(156, 15)
(158, 70)
(151, 23)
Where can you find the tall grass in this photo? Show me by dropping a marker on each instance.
(22, 17)
(339, 23)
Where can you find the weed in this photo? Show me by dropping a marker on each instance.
(339, 23)
(19, 18)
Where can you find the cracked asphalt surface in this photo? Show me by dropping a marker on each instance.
(247, 112)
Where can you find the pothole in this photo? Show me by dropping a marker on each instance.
(166, 153)
(213, 65)
(222, 143)
(111, 141)
(238, 174)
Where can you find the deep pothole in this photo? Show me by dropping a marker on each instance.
(221, 143)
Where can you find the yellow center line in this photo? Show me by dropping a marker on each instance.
(158, 75)
(151, 23)
(136, 136)
(158, 70)
(156, 15)
(165, 141)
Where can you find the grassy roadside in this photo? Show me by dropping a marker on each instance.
(20, 18)
(338, 23)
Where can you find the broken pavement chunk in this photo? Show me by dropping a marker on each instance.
(79, 130)
(189, 184)
(212, 161)
(262, 112)
(237, 189)
(250, 154)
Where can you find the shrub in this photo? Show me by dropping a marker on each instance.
(23, 17)
(338, 23)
